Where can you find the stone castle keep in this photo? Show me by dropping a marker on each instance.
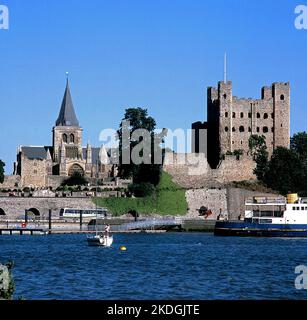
(46, 166)
(232, 120)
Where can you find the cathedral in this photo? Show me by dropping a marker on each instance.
(49, 166)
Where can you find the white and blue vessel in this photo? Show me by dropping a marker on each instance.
(269, 217)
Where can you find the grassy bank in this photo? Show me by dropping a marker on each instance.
(168, 199)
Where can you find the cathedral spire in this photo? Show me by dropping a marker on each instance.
(67, 115)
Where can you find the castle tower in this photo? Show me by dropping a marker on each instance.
(67, 130)
(232, 120)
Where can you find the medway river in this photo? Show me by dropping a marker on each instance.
(155, 266)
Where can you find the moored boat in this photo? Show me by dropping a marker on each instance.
(100, 240)
(269, 217)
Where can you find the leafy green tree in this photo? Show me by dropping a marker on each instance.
(77, 179)
(144, 172)
(286, 172)
(141, 190)
(2, 165)
(299, 144)
(258, 150)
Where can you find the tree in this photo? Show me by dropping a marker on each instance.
(77, 179)
(258, 150)
(2, 165)
(150, 172)
(299, 144)
(285, 172)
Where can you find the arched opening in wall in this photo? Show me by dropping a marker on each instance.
(249, 129)
(225, 96)
(258, 129)
(226, 114)
(242, 115)
(226, 129)
(282, 97)
(2, 212)
(265, 116)
(233, 129)
(250, 115)
(33, 213)
(72, 138)
(64, 137)
(241, 129)
(272, 129)
(258, 115)
(265, 129)
(75, 168)
(234, 115)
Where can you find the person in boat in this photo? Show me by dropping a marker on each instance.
(107, 230)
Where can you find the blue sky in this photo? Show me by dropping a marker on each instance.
(150, 53)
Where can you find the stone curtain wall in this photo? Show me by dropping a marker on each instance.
(191, 176)
(10, 182)
(213, 199)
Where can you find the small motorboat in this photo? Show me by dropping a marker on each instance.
(100, 240)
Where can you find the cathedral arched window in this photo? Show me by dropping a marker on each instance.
(72, 138)
(241, 129)
(65, 137)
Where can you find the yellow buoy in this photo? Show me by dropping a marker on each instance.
(292, 198)
(123, 248)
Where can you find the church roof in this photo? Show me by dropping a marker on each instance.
(67, 115)
(35, 152)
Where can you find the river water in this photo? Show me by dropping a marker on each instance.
(155, 266)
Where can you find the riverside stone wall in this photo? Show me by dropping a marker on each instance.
(14, 208)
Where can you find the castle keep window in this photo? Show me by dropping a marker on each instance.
(272, 115)
(282, 97)
(258, 115)
(226, 114)
(272, 129)
(265, 116)
(258, 129)
(242, 115)
(249, 114)
(241, 129)
(233, 129)
(249, 129)
(226, 129)
(265, 129)
(64, 137)
(233, 114)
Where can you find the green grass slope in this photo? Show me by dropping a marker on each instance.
(169, 199)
